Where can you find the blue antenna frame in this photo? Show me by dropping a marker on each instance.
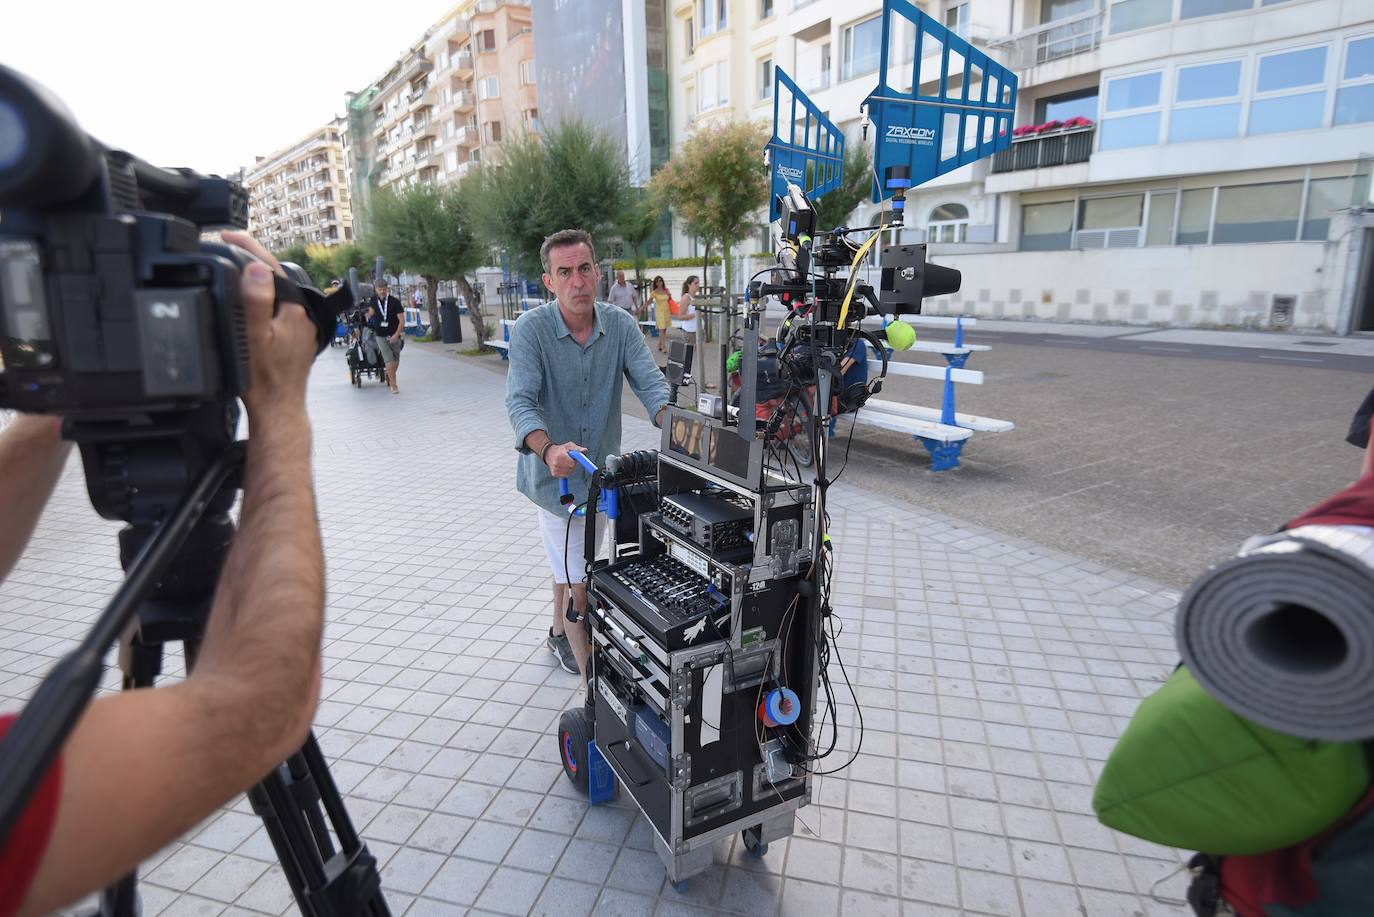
(815, 163)
(936, 133)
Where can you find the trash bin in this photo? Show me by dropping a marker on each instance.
(449, 322)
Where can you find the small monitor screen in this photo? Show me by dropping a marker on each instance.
(729, 453)
(688, 437)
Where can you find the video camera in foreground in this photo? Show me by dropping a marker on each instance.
(115, 314)
(109, 300)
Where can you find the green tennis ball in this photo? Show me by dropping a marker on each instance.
(900, 335)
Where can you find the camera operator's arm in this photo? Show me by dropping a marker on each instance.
(143, 767)
(32, 454)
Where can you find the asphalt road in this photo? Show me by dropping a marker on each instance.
(1156, 458)
(1129, 343)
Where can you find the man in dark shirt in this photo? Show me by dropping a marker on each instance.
(390, 319)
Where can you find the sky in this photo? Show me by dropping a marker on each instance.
(207, 85)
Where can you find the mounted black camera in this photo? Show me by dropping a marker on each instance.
(116, 315)
(109, 300)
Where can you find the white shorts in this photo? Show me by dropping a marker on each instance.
(555, 531)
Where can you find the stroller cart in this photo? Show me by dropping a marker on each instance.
(364, 359)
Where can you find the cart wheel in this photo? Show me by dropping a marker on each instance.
(357, 378)
(574, 732)
(752, 845)
(680, 886)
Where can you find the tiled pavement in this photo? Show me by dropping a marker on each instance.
(993, 673)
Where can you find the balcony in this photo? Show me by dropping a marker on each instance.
(817, 83)
(466, 168)
(467, 135)
(1051, 41)
(465, 100)
(462, 64)
(1060, 148)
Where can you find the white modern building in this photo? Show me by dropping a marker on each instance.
(1222, 177)
(300, 194)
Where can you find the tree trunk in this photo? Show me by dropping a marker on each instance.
(432, 301)
(725, 270)
(475, 312)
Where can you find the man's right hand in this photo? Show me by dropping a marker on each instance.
(281, 346)
(561, 464)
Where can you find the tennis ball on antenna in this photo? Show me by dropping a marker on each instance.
(900, 335)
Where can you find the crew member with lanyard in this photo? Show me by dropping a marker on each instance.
(390, 320)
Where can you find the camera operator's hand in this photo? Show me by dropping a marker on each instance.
(561, 464)
(282, 347)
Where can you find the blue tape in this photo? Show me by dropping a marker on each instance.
(776, 711)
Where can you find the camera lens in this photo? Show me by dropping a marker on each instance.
(14, 135)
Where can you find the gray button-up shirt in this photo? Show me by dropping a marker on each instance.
(622, 295)
(572, 391)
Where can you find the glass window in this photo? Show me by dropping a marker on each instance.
(1132, 130)
(1355, 104)
(1258, 213)
(1208, 81)
(690, 37)
(721, 8)
(1194, 216)
(1291, 70)
(1204, 122)
(862, 48)
(765, 8)
(1133, 92)
(1355, 97)
(1066, 106)
(766, 78)
(489, 88)
(1287, 113)
(1191, 9)
(707, 82)
(1052, 10)
(1121, 212)
(1139, 14)
(1160, 222)
(1359, 59)
(1325, 196)
(527, 73)
(949, 212)
(723, 82)
(1047, 227)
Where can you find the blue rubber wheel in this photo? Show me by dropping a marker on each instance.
(680, 886)
(752, 846)
(574, 732)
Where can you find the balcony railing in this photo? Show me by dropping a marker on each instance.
(817, 83)
(461, 62)
(1051, 41)
(1060, 148)
(464, 100)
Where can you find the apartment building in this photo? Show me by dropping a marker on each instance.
(1219, 174)
(300, 194)
(448, 102)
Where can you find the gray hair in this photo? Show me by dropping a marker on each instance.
(562, 239)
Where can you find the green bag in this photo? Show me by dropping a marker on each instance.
(1189, 773)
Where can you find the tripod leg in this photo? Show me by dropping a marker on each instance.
(300, 805)
(142, 663)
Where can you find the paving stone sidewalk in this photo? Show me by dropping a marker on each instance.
(994, 675)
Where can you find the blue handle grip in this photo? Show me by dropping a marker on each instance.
(585, 462)
(565, 490)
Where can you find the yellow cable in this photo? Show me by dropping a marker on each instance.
(853, 267)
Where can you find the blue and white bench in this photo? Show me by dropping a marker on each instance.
(956, 353)
(943, 431)
(503, 342)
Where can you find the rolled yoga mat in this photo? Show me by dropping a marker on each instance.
(1283, 634)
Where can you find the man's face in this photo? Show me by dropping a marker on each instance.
(381, 291)
(572, 276)
(620, 277)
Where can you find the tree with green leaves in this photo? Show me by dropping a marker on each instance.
(428, 230)
(834, 207)
(715, 184)
(635, 225)
(343, 257)
(569, 177)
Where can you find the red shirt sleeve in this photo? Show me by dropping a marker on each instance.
(1352, 506)
(23, 850)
